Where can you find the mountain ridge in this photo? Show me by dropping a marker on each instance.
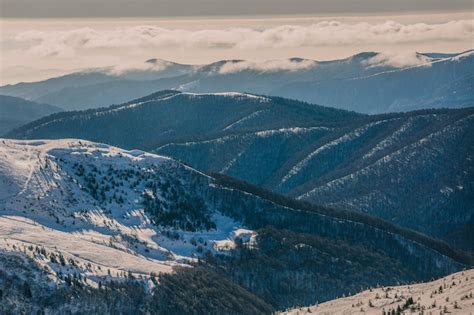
(346, 83)
(309, 150)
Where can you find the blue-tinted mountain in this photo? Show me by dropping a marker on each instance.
(35, 90)
(15, 112)
(100, 87)
(366, 83)
(441, 83)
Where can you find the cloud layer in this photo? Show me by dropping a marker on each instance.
(329, 33)
(399, 60)
(267, 66)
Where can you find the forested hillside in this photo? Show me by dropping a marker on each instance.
(91, 215)
(413, 169)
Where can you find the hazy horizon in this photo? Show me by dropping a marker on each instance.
(39, 48)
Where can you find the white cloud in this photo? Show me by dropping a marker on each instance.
(399, 60)
(464, 55)
(124, 67)
(267, 66)
(328, 33)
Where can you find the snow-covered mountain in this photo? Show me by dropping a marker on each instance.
(452, 294)
(87, 214)
(367, 82)
(86, 200)
(413, 169)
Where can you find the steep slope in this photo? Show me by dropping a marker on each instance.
(15, 112)
(91, 214)
(452, 294)
(413, 169)
(28, 289)
(425, 182)
(367, 82)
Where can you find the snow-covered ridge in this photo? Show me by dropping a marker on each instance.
(246, 118)
(229, 94)
(262, 134)
(293, 130)
(85, 202)
(240, 96)
(452, 294)
(162, 98)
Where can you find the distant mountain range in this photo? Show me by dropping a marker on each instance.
(15, 112)
(366, 83)
(84, 218)
(414, 169)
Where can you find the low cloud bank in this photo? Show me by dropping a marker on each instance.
(328, 33)
(267, 66)
(399, 60)
(125, 67)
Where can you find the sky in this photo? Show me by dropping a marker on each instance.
(45, 38)
(163, 8)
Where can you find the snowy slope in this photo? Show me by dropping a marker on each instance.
(91, 213)
(452, 294)
(47, 200)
